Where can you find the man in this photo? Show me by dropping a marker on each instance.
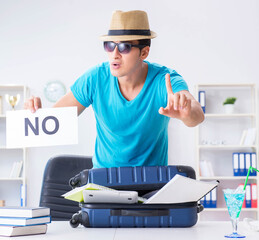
(133, 100)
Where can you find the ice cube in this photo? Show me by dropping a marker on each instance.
(228, 191)
(239, 189)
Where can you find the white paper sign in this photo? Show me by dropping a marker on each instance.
(45, 127)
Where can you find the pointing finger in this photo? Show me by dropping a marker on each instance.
(168, 84)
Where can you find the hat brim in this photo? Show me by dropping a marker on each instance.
(126, 37)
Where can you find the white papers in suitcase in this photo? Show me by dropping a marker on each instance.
(182, 189)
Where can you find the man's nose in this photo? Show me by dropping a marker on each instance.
(116, 53)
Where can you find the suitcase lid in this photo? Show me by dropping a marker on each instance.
(146, 178)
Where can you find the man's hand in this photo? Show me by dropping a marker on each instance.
(33, 104)
(182, 105)
(178, 104)
(68, 100)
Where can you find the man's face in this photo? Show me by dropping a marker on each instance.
(123, 64)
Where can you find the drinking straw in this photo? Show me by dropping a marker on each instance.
(250, 169)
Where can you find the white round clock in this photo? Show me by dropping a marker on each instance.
(54, 90)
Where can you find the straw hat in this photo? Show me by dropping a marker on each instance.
(126, 26)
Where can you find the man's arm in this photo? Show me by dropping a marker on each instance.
(183, 106)
(68, 100)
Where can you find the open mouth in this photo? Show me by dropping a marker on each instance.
(115, 65)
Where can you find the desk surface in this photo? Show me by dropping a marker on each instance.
(201, 231)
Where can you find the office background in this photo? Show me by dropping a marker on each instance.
(206, 41)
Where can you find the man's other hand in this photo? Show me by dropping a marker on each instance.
(33, 104)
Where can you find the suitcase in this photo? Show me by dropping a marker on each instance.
(140, 179)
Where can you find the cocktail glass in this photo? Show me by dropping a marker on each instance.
(234, 199)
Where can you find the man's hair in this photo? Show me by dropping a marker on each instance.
(145, 42)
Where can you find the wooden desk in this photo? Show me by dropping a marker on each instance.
(201, 231)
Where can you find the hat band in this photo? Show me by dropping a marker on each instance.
(129, 32)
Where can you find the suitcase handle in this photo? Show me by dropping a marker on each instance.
(139, 213)
(200, 208)
(80, 179)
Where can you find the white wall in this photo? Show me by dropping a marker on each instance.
(204, 40)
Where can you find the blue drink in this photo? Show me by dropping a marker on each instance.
(234, 200)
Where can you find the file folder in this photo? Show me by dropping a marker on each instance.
(214, 198)
(208, 200)
(235, 164)
(242, 164)
(202, 100)
(244, 202)
(248, 196)
(247, 162)
(202, 201)
(254, 195)
(253, 163)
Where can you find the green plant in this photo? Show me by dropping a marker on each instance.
(230, 100)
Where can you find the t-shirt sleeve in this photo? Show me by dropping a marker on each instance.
(84, 87)
(177, 82)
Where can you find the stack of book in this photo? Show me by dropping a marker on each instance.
(20, 221)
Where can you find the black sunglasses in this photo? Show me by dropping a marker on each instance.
(122, 47)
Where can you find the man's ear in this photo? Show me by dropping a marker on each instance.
(144, 52)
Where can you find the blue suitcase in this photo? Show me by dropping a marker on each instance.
(143, 180)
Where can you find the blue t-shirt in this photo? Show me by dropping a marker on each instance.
(129, 133)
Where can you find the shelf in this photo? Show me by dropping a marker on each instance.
(219, 136)
(227, 178)
(14, 86)
(5, 148)
(227, 85)
(12, 154)
(225, 146)
(11, 179)
(223, 115)
(225, 209)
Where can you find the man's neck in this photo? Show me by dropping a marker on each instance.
(131, 85)
(135, 79)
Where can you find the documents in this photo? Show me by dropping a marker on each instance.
(182, 189)
(127, 197)
(77, 194)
